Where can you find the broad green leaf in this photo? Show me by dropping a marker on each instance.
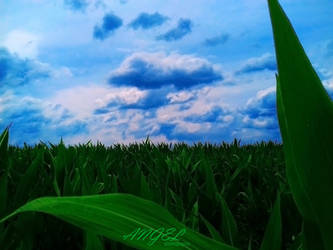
(305, 113)
(118, 217)
(273, 233)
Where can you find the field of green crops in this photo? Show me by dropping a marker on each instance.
(184, 180)
(227, 197)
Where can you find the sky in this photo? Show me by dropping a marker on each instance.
(117, 71)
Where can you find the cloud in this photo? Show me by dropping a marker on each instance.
(214, 114)
(153, 99)
(23, 43)
(263, 104)
(154, 70)
(198, 121)
(328, 84)
(265, 62)
(76, 5)
(110, 23)
(323, 73)
(180, 97)
(148, 21)
(133, 98)
(183, 28)
(15, 71)
(216, 40)
(131, 114)
(35, 120)
(260, 111)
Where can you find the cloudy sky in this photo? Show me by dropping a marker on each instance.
(116, 71)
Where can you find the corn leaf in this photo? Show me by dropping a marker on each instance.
(117, 215)
(4, 167)
(92, 242)
(273, 234)
(213, 232)
(28, 180)
(305, 113)
(229, 226)
(3, 148)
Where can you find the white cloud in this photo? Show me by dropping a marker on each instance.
(23, 43)
(81, 101)
(188, 127)
(181, 96)
(126, 95)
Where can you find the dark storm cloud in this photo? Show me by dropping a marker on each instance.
(109, 24)
(151, 71)
(183, 28)
(148, 21)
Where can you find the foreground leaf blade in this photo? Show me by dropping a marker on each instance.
(116, 215)
(305, 113)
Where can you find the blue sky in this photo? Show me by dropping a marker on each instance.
(179, 71)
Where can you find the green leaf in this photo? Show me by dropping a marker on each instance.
(311, 238)
(213, 232)
(3, 192)
(92, 242)
(273, 233)
(305, 113)
(28, 180)
(229, 226)
(117, 215)
(210, 184)
(4, 170)
(144, 186)
(194, 217)
(297, 243)
(3, 148)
